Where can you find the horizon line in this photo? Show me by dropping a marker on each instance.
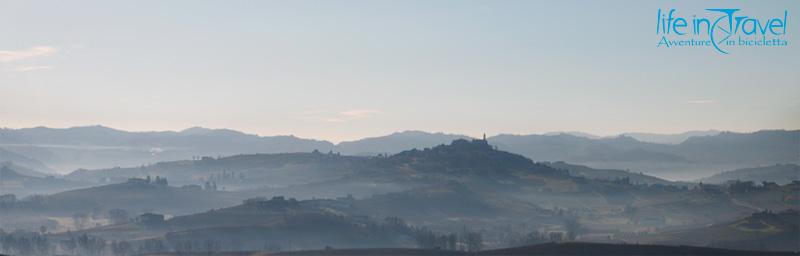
(576, 133)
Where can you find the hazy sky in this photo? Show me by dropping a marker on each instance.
(341, 70)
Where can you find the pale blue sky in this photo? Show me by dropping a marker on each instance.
(342, 70)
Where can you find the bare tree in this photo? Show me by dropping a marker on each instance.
(473, 241)
(573, 228)
(211, 246)
(183, 247)
(79, 220)
(151, 246)
(121, 248)
(91, 245)
(71, 244)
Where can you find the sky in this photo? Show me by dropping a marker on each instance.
(343, 70)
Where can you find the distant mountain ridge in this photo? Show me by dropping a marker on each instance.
(98, 146)
(660, 138)
(94, 147)
(670, 138)
(396, 142)
(695, 157)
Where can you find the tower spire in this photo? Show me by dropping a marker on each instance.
(484, 136)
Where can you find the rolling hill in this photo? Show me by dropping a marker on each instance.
(475, 167)
(261, 223)
(609, 174)
(21, 181)
(136, 195)
(446, 188)
(94, 147)
(238, 171)
(7, 156)
(779, 173)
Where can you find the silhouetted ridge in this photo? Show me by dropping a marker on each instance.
(395, 143)
(8, 173)
(276, 203)
(469, 157)
(578, 248)
(546, 249)
(779, 173)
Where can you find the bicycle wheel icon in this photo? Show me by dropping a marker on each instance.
(722, 29)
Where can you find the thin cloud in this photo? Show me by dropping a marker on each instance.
(30, 68)
(702, 101)
(33, 52)
(359, 113)
(340, 117)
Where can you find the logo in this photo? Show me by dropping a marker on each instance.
(720, 29)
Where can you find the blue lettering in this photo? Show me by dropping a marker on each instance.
(679, 23)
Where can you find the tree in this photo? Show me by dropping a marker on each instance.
(160, 181)
(121, 248)
(91, 245)
(23, 246)
(452, 242)
(24, 243)
(573, 228)
(151, 246)
(79, 220)
(272, 247)
(425, 238)
(211, 246)
(531, 238)
(40, 244)
(118, 216)
(71, 244)
(183, 247)
(473, 241)
(556, 236)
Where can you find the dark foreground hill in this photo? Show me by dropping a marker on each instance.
(762, 231)
(620, 249)
(550, 249)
